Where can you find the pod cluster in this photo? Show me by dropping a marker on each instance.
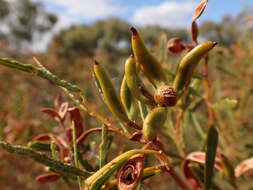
(133, 90)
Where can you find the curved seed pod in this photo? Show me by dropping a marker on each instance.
(109, 93)
(148, 63)
(154, 120)
(127, 99)
(95, 181)
(188, 64)
(133, 81)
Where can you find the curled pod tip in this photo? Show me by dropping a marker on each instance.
(189, 62)
(148, 63)
(153, 121)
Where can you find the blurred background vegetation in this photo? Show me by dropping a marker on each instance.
(70, 54)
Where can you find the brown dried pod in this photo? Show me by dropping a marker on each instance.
(194, 32)
(48, 178)
(130, 173)
(166, 96)
(244, 167)
(199, 157)
(175, 45)
(199, 10)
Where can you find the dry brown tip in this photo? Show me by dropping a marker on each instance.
(215, 43)
(96, 62)
(134, 31)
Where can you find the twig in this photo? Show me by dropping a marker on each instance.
(211, 113)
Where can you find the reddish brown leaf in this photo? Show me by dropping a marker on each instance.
(243, 167)
(48, 178)
(191, 178)
(63, 110)
(52, 113)
(42, 137)
(130, 173)
(175, 45)
(194, 32)
(76, 116)
(199, 10)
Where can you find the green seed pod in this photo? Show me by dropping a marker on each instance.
(109, 93)
(127, 99)
(188, 64)
(133, 81)
(166, 96)
(148, 63)
(154, 120)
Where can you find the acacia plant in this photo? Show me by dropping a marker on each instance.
(150, 109)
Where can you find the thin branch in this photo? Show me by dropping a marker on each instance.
(43, 159)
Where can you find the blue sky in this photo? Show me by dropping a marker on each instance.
(167, 13)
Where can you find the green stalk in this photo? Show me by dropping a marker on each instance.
(103, 146)
(43, 159)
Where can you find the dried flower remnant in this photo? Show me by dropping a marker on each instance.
(166, 96)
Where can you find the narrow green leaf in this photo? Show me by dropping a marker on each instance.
(43, 159)
(211, 147)
(40, 145)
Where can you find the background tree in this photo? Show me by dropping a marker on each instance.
(23, 21)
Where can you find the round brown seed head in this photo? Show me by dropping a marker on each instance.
(166, 96)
